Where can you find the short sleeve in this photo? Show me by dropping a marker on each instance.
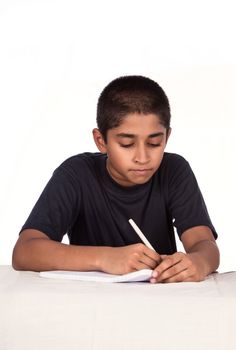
(186, 203)
(57, 207)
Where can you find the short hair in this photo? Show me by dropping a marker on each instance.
(131, 94)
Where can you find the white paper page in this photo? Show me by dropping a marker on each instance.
(97, 276)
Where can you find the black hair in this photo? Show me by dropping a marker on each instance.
(131, 94)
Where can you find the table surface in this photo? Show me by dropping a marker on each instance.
(39, 313)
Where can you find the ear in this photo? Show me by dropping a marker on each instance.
(168, 134)
(99, 140)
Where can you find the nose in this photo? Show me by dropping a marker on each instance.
(141, 155)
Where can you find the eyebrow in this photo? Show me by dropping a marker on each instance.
(131, 136)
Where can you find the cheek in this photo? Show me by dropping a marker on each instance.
(119, 159)
(119, 153)
(157, 158)
(115, 156)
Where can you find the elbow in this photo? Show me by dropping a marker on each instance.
(217, 262)
(17, 261)
(25, 254)
(213, 257)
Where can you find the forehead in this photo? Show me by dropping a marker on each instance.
(139, 124)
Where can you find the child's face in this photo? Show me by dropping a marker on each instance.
(135, 149)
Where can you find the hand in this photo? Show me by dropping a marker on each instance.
(179, 267)
(121, 260)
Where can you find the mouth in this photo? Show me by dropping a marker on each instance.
(141, 172)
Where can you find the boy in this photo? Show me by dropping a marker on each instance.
(92, 196)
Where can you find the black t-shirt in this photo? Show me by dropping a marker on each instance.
(82, 200)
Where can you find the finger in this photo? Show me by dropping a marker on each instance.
(141, 248)
(163, 256)
(140, 266)
(183, 276)
(175, 270)
(167, 276)
(152, 264)
(169, 267)
(152, 254)
(188, 275)
(168, 262)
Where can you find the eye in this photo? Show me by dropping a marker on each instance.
(126, 146)
(154, 144)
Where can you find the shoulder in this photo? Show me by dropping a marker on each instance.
(173, 161)
(83, 159)
(174, 168)
(81, 165)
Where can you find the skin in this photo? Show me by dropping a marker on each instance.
(135, 150)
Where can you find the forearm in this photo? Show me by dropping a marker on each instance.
(206, 255)
(34, 251)
(44, 254)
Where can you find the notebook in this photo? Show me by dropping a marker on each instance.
(97, 276)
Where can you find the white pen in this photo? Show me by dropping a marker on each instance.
(140, 234)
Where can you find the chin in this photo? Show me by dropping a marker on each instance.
(140, 182)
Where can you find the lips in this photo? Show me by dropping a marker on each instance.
(141, 171)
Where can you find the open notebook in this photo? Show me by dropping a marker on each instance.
(96, 276)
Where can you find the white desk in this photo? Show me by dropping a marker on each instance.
(41, 314)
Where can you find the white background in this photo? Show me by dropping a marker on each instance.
(57, 56)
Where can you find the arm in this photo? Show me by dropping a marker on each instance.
(201, 258)
(35, 251)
